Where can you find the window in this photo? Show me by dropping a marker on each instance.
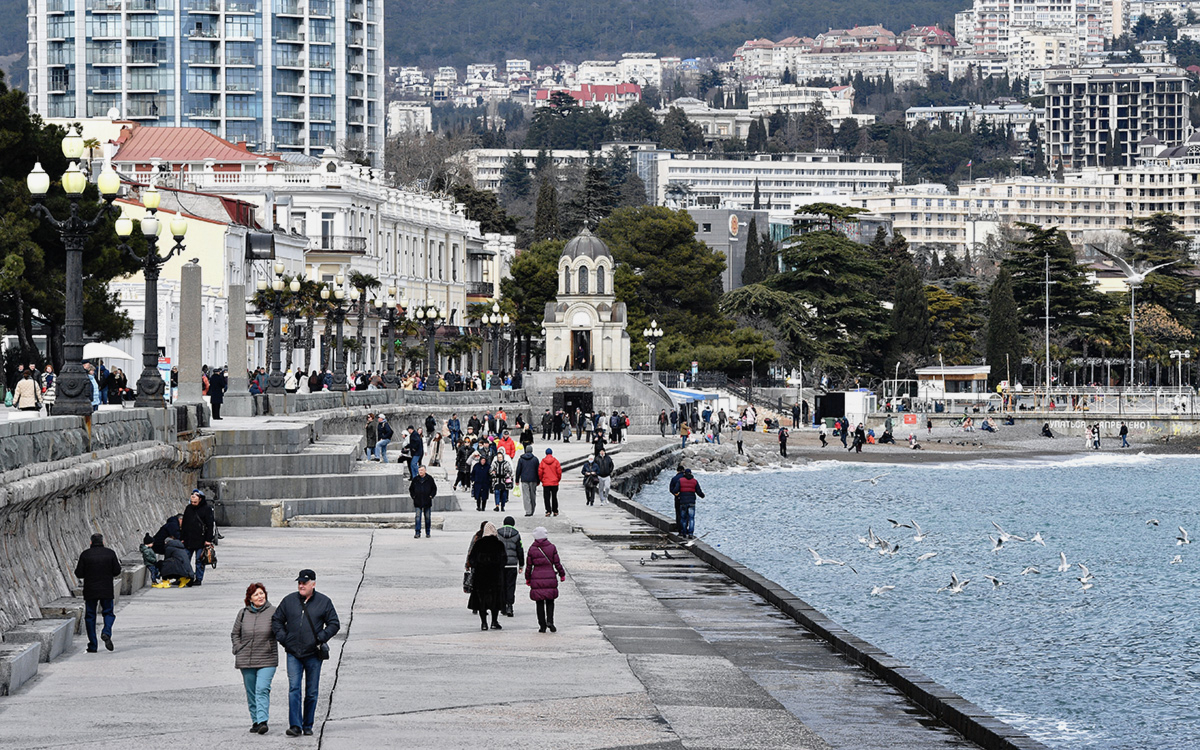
(706, 227)
(566, 281)
(326, 229)
(583, 280)
(600, 280)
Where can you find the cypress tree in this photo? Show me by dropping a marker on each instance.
(545, 223)
(757, 203)
(910, 315)
(514, 179)
(1005, 345)
(752, 271)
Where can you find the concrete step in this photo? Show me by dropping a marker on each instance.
(18, 665)
(133, 577)
(269, 438)
(362, 521)
(77, 592)
(324, 457)
(67, 607)
(276, 512)
(285, 487)
(52, 636)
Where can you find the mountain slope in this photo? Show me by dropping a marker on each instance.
(431, 32)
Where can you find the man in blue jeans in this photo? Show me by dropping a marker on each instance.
(303, 623)
(98, 566)
(686, 488)
(385, 439)
(422, 490)
(416, 449)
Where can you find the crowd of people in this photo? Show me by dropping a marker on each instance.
(297, 381)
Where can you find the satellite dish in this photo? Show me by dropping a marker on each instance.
(113, 113)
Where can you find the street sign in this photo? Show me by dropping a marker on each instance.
(910, 419)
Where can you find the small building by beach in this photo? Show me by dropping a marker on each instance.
(953, 381)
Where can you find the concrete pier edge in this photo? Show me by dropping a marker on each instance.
(969, 720)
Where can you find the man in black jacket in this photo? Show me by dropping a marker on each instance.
(98, 566)
(604, 470)
(416, 450)
(422, 490)
(304, 622)
(217, 383)
(547, 421)
(198, 529)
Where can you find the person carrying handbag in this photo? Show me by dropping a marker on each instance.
(27, 396)
(543, 571)
(303, 623)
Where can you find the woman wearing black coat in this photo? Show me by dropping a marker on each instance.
(487, 560)
(198, 530)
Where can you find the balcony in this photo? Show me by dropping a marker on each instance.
(145, 57)
(292, 8)
(204, 6)
(210, 113)
(242, 87)
(296, 89)
(104, 6)
(290, 113)
(142, 6)
(241, 6)
(293, 37)
(209, 58)
(239, 60)
(101, 85)
(480, 289)
(290, 61)
(212, 32)
(102, 57)
(341, 244)
(56, 6)
(356, 40)
(210, 86)
(142, 110)
(320, 8)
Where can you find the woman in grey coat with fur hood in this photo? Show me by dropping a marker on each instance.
(256, 653)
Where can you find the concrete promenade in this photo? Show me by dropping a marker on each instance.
(669, 654)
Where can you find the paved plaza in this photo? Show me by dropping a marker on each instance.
(669, 654)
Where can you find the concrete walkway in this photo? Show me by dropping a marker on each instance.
(663, 655)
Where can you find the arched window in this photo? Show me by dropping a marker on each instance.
(566, 281)
(600, 280)
(583, 280)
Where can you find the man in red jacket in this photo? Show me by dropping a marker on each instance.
(550, 474)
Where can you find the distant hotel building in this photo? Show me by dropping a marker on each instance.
(279, 75)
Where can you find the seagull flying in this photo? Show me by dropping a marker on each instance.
(880, 590)
(691, 542)
(1029, 570)
(1183, 537)
(1176, 559)
(920, 535)
(873, 480)
(1063, 566)
(1152, 522)
(1005, 536)
(996, 582)
(870, 539)
(1087, 576)
(1038, 538)
(956, 586)
(818, 560)
(887, 548)
(927, 556)
(997, 544)
(1132, 277)
(898, 525)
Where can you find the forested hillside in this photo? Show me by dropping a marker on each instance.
(456, 32)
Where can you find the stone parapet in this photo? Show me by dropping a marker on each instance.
(29, 441)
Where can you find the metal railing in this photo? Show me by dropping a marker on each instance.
(340, 244)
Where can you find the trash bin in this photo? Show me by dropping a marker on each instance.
(829, 422)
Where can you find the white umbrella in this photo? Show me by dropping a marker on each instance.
(103, 351)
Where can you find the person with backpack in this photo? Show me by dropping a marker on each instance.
(615, 425)
(385, 438)
(591, 480)
(502, 478)
(516, 562)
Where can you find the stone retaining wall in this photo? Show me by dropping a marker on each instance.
(298, 403)
(29, 441)
(48, 511)
(955, 711)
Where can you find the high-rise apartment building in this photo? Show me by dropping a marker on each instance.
(282, 75)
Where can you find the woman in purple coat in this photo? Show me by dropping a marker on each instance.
(543, 571)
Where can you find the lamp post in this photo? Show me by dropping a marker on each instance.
(275, 379)
(429, 317)
(1179, 356)
(338, 311)
(150, 385)
(496, 323)
(393, 308)
(652, 335)
(74, 393)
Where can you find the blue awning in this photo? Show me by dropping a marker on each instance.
(687, 396)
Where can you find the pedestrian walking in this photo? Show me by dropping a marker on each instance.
(591, 480)
(543, 571)
(547, 421)
(684, 433)
(256, 653)
(662, 423)
(502, 479)
(796, 414)
(487, 561)
(550, 474)
(674, 489)
(422, 490)
(527, 474)
(481, 483)
(416, 449)
(687, 488)
(738, 433)
(198, 529)
(1124, 436)
(843, 431)
(27, 396)
(303, 623)
(514, 565)
(98, 566)
(604, 470)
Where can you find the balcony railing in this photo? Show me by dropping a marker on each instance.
(204, 6)
(338, 243)
(320, 8)
(203, 33)
(211, 113)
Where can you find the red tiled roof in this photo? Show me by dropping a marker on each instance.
(145, 144)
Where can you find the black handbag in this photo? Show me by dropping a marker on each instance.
(468, 582)
(322, 648)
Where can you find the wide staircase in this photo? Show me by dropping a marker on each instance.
(287, 473)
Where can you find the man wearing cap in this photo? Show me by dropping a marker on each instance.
(198, 528)
(303, 623)
(550, 474)
(98, 566)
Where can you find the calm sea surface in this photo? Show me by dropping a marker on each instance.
(1116, 666)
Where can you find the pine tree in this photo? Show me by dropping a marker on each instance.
(545, 223)
(911, 334)
(514, 178)
(752, 271)
(1005, 345)
(757, 202)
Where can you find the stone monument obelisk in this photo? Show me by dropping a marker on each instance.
(238, 402)
(191, 336)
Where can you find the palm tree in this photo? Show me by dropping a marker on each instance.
(311, 305)
(363, 282)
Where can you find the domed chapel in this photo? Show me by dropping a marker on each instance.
(585, 325)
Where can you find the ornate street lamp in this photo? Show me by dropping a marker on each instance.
(74, 393)
(275, 379)
(1179, 356)
(150, 385)
(495, 323)
(429, 317)
(393, 309)
(652, 335)
(338, 311)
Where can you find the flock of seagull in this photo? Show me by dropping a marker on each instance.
(886, 548)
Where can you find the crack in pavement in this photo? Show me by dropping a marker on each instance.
(349, 624)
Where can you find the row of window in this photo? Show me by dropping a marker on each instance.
(582, 277)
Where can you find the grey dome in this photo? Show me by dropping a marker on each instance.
(586, 245)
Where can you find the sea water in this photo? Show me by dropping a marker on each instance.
(1113, 666)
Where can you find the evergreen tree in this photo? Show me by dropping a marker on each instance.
(752, 271)
(1157, 240)
(679, 133)
(1005, 345)
(545, 223)
(515, 183)
(910, 316)
(594, 201)
(756, 137)
(757, 198)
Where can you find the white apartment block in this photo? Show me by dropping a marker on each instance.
(1134, 9)
(903, 65)
(838, 102)
(283, 75)
(1015, 115)
(784, 180)
(486, 165)
(642, 68)
(1088, 108)
(409, 117)
(996, 20)
(1038, 48)
(517, 66)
